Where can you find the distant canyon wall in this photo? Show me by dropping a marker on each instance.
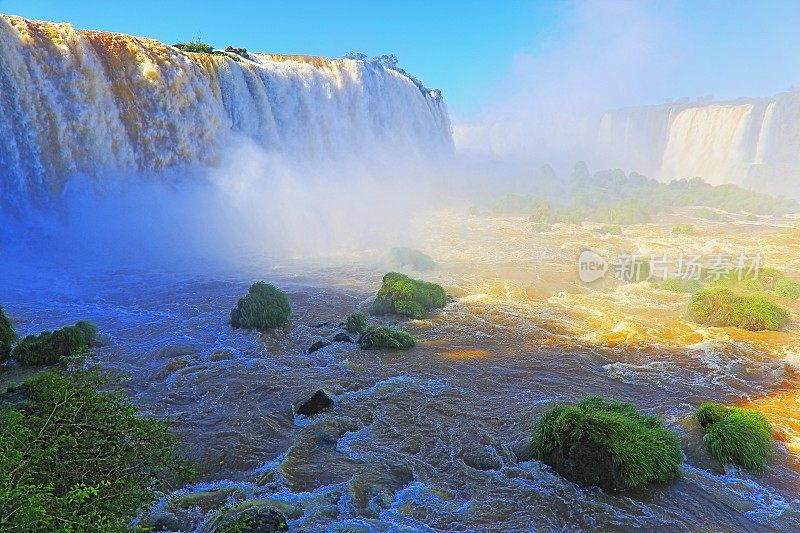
(91, 102)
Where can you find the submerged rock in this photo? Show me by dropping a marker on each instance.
(587, 463)
(342, 337)
(316, 404)
(317, 346)
(253, 520)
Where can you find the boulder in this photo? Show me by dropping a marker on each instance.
(317, 346)
(586, 463)
(342, 337)
(254, 520)
(316, 404)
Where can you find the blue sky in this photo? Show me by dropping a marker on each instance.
(474, 51)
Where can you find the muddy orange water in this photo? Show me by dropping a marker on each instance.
(433, 439)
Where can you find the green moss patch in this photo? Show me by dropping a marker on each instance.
(788, 288)
(683, 229)
(737, 436)
(722, 307)
(619, 447)
(406, 296)
(265, 306)
(356, 322)
(50, 347)
(394, 339)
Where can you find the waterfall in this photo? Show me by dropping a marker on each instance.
(752, 142)
(89, 102)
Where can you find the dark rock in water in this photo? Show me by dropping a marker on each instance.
(481, 460)
(163, 521)
(586, 463)
(254, 520)
(15, 396)
(523, 450)
(316, 404)
(320, 325)
(317, 346)
(342, 337)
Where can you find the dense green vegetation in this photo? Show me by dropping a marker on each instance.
(386, 338)
(643, 449)
(73, 458)
(7, 335)
(788, 288)
(683, 229)
(265, 306)
(50, 347)
(418, 260)
(406, 296)
(612, 197)
(196, 46)
(723, 307)
(737, 436)
(356, 322)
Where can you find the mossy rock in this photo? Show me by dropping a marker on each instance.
(788, 288)
(403, 295)
(404, 256)
(50, 347)
(253, 519)
(683, 229)
(264, 307)
(722, 307)
(7, 335)
(606, 443)
(356, 322)
(614, 229)
(680, 285)
(386, 338)
(737, 436)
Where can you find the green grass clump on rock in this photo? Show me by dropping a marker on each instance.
(406, 296)
(386, 338)
(737, 436)
(722, 307)
(788, 288)
(7, 335)
(683, 229)
(50, 347)
(356, 322)
(265, 306)
(636, 448)
(196, 46)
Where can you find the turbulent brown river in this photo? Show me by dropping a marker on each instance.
(433, 439)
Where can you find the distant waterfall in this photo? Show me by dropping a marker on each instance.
(754, 143)
(88, 102)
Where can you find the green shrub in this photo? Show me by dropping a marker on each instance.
(7, 335)
(76, 459)
(386, 338)
(265, 306)
(681, 285)
(722, 307)
(356, 322)
(737, 436)
(643, 449)
(683, 229)
(406, 296)
(788, 288)
(609, 229)
(50, 347)
(196, 46)
(403, 256)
